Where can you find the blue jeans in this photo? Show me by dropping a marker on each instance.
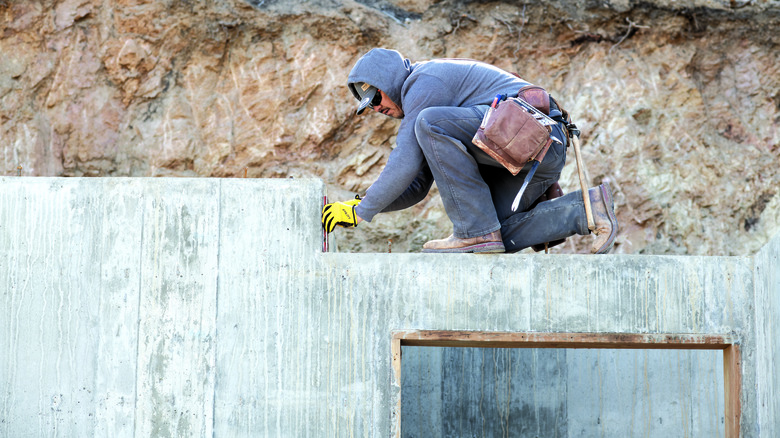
(477, 191)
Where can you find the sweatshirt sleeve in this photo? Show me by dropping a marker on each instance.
(405, 162)
(416, 192)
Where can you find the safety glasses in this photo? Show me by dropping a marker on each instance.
(376, 100)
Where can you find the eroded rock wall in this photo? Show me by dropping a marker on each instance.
(679, 102)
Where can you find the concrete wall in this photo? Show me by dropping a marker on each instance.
(126, 303)
(573, 294)
(205, 307)
(767, 354)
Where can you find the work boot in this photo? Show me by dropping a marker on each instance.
(604, 218)
(488, 243)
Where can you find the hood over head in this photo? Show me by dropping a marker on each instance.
(384, 69)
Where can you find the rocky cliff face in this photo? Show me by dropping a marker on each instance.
(678, 101)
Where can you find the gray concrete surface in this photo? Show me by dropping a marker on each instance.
(561, 392)
(205, 307)
(767, 338)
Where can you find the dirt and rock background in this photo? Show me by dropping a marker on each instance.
(678, 101)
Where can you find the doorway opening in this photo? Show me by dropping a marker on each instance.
(548, 348)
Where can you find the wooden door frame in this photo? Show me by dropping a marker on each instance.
(732, 374)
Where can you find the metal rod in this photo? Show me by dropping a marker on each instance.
(519, 196)
(324, 230)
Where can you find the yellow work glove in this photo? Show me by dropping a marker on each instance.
(340, 213)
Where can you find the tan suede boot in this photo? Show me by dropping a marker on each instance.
(489, 243)
(604, 218)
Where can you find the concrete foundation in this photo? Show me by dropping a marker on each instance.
(206, 307)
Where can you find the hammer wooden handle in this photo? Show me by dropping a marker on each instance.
(581, 170)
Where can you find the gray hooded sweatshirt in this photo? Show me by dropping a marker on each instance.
(406, 178)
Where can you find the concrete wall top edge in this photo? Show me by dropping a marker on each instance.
(336, 257)
(316, 181)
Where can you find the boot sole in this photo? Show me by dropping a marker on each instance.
(482, 248)
(606, 197)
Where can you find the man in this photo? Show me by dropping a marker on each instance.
(441, 104)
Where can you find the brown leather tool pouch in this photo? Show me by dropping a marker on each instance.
(512, 136)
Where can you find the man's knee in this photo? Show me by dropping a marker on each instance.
(423, 125)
